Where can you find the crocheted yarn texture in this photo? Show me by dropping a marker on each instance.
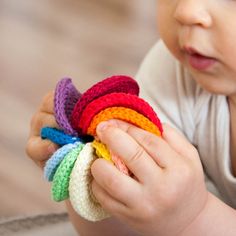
(78, 116)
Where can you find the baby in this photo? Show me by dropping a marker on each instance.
(189, 78)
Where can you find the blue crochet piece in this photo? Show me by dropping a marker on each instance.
(55, 160)
(58, 136)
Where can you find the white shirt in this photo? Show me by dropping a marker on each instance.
(202, 117)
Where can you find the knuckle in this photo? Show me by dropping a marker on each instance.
(148, 140)
(40, 120)
(136, 156)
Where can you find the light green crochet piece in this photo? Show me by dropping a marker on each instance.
(61, 179)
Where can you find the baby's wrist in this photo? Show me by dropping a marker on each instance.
(201, 221)
(216, 218)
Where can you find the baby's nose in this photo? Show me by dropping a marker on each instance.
(192, 12)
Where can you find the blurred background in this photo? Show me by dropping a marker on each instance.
(42, 41)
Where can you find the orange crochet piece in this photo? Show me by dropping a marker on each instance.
(124, 114)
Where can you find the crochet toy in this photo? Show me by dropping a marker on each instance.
(78, 116)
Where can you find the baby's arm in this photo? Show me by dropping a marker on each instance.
(216, 219)
(40, 150)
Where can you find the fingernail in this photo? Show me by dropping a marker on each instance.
(102, 126)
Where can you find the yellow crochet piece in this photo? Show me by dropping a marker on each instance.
(124, 114)
(101, 150)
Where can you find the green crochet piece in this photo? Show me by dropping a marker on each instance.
(61, 178)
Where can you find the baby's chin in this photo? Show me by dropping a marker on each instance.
(213, 84)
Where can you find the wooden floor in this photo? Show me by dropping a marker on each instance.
(42, 41)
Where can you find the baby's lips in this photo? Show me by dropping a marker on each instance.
(66, 96)
(118, 84)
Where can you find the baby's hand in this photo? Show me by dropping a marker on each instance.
(37, 149)
(168, 191)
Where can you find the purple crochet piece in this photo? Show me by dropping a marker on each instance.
(66, 96)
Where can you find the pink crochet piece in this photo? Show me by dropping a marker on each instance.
(120, 165)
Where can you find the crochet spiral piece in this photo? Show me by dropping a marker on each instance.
(78, 116)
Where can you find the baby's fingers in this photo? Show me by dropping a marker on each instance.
(109, 203)
(118, 185)
(41, 120)
(40, 150)
(126, 147)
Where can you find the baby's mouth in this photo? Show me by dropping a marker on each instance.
(197, 60)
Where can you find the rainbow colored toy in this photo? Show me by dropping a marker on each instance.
(78, 116)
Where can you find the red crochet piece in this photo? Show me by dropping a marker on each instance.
(119, 83)
(115, 100)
